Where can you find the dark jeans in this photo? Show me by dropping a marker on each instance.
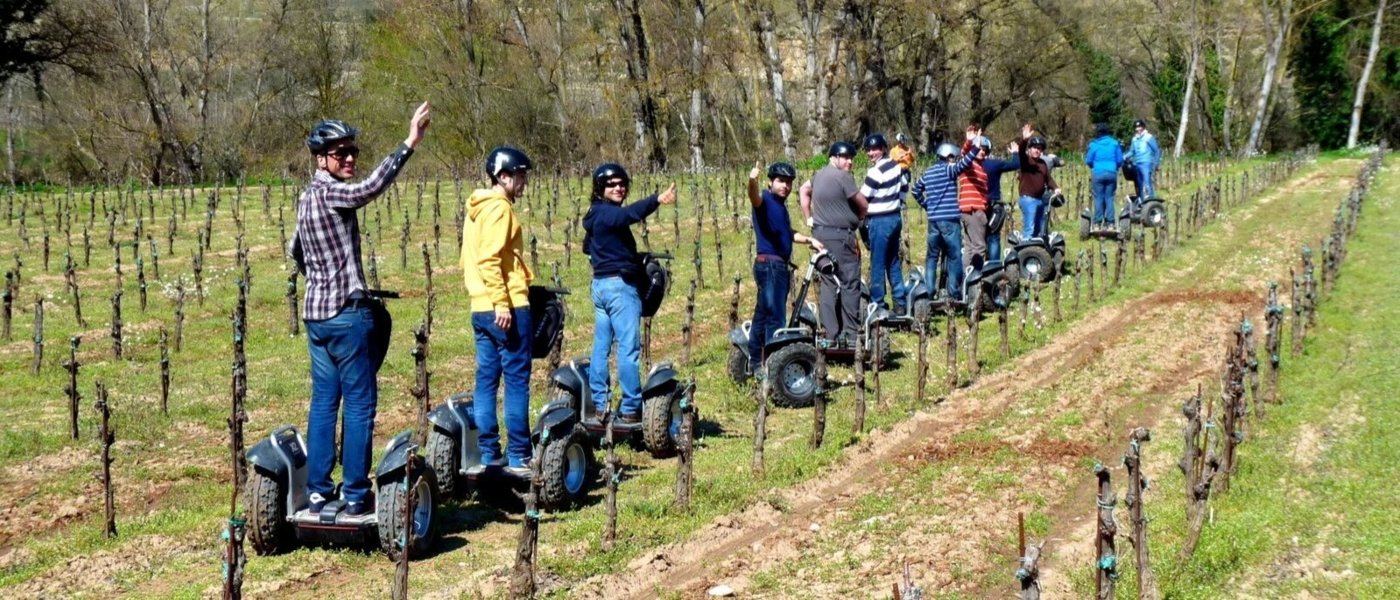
(770, 310)
(840, 303)
(1105, 185)
(945, 246)
(884, 257)
(346, 353)
(501, 354)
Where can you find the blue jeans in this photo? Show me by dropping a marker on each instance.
(1032, 217)
(774, 280)
(346, 352)
(945, 242)
(617, 315)
(1143, 185)
(884, 257)
(501, 352)
(1105, 186)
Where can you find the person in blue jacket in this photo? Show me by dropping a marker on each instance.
(1146, 156)
(996, 209)
(1103, 158)
(618, 274)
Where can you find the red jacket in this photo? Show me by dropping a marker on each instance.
(972, 185)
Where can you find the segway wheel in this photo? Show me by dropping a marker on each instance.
(564, 470)
(1036, 264)
(658, 421)
(266, 504)
(794, 372)
(738, 364)
(421, 524)
(1154, 213)
(444, 458)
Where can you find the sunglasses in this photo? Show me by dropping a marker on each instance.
(615, 184)
(343, 153)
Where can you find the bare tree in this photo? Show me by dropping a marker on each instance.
(818, 92)
(1271, 56)
(768, 45)
(634, 47)
(1190, 83)
(1366, 76)
(697, 90)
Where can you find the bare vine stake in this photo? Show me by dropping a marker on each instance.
(922, 382)
(1004, 319)
(819, 399)
(400, 589)
(106, 437)
(874, 356)
(1232, 402)
(612, 473)
(234, 558)
(522, 582)
(117, 324)
(952, 336)
(974, 326)
(293, 323)
(1251, 366)
(1273, 340)
(858, 427)
(141, 282)
(1105, 547)
(179, 313)
(38, 334)
(646, 343)
(1200, 466)
(71, 365)
(760, 422)
(685, 448)
(199, 276)
(1118, 259)
(420, 390)
(164, 373)
(734, 306)
(155, 257)
(1028, 573)
(1137, 484)
(1055, 302)
(688, 327)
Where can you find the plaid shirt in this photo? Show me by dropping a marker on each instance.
(326, 242)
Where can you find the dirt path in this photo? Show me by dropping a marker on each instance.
(1160, 344)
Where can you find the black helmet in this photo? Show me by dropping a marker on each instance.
(326, 133)
(504, 159)
(875, 140)
(607, 171)
(1140, 123)
(842, 149)
(1036, 142)
(782, 169)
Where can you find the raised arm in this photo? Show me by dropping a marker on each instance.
(755, 199)
(355, 195)
(804, 199)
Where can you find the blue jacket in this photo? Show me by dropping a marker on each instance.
(608, 240)
(1104, 155)
(937, 189)
(1144, 152)
(995, 167)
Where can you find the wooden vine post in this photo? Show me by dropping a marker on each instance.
(71, 365)
(858, 426)
(117, 324)
(1105, 546)
(685, 448)
(234, 558)
(164, 372)
(612, 476)
(1137, 484)
(420, 389)
(39, 335)
(1273, 341)
(1028, 571)
(952, 338)
(522, 581)
(1199, 467)
(819, 398)
(293, 323)
(106, 437)
(760, 422)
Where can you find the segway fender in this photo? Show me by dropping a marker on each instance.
(283, 456)
(264, 457)
(567, 378)
(557, 417)
(660, 382)
(739, 336)
(452, 417)
(395, 455)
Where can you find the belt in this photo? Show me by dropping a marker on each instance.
(769, 258)
(893, 213)
(833, 228)
(361, 302)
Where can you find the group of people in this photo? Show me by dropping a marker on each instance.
(348, 328)
(1105, 157)
(960, 194)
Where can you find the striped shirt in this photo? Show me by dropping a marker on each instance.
(937, 189)
(885, 185)
(326, 242)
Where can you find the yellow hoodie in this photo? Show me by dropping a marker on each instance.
(493, 248)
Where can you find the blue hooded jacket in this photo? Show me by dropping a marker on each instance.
(1104, 155)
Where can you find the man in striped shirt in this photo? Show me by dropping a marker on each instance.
(937, 192)
(884, 187)
(347, 330)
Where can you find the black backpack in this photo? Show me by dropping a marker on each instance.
(547, 316)
(656, 280)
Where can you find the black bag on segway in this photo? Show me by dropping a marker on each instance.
(656, 280)
(547, 316)
(996, 217)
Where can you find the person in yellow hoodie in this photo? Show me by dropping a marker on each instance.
(498, 280)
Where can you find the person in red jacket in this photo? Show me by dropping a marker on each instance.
(972, 199)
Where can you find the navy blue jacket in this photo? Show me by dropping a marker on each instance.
(607, 238)
(994, 168)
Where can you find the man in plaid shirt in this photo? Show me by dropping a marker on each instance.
(347, 330)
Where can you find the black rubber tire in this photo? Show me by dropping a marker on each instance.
(801, 357)
(444, 458)
(1154, 214)
(390, 497)
(737, 365)
(560, 484)
(265, 502)
(656, 426)
(1036, 264)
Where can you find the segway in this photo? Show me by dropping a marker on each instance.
(792, 351)
(454, 455)
(277, 500)
(984, 289)
(662, 395)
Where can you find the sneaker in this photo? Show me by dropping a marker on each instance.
(522, 472)
(318, 502)
(359, 509)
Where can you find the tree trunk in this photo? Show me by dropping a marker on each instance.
(828, 77)
(551, 87)
(817, 92)
(697, 65)
(768, 44)
(1266, 88)
(1190, 86)
(1365, 76)
(10, 133)
(634, 47)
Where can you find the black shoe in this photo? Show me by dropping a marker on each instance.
(318, 502)
(900, 309)
(631, 419)
(357, 509)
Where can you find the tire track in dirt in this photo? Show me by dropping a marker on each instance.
(688, 566)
